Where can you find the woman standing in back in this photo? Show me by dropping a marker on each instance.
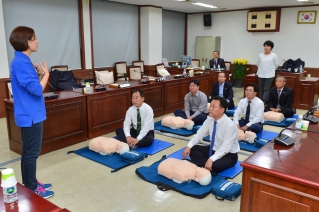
(267, 64)
(29, 107)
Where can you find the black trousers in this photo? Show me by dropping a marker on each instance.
(199, 156)
(286, 111)
(146, 141)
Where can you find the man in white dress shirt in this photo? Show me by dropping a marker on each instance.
(253, 109)
(138, 129)
(221, 154)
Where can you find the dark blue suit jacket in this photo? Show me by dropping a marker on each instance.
(286, 98)
(227, 93)
(220, 61)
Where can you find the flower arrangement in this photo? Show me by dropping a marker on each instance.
(240, 68)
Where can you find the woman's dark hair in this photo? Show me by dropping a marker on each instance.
(254, 86)
(222, 102)
(20, 36)
(269, 43)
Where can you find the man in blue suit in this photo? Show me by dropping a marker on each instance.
(223, 89)
(213, 63)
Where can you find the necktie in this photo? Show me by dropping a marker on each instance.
(213, 139)
(279, 92)
(216, 62)
(138, 122)
(247, 113)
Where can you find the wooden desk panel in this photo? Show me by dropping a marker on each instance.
(286, 177)
(65, 124)
(175, 91)
(106, 110)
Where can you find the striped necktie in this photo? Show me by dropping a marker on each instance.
(138, 122)
(213, 139)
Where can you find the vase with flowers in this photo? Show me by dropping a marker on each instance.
(239, 72)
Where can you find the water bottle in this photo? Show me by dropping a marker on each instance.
(214, 67)
(298, 125)
(300, 68)
(184, 72)
(218, 67)
(10, 194)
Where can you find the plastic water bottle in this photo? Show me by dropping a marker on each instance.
(214, 67)
(300, 68)
(298, 125)
(184, 72)
(10, 194)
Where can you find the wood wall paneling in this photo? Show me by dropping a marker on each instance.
(175, 92)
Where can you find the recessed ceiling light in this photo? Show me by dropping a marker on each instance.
(180, 0)
(204, 5)
(302, 0)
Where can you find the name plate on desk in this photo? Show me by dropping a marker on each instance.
(119, 85)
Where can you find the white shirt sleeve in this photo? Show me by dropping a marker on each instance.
(256, 112)
(127, 122)
(201, 133)
(239, 110)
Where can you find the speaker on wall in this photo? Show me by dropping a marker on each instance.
(207, 19)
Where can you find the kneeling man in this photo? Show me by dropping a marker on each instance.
(221, 154)
(141, 117)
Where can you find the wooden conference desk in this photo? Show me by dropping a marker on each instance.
(279, 178)
(306, 90)
(28, 201)
(74, 116)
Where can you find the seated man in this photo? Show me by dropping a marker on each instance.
(281, 98)
(223, 89)
(141, 117)
(195, 104)
(222, 153)
(216, 61)
(252, 108)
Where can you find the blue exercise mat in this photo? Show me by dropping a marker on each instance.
(248, 146)
(284, 123)
(113, 161)
(268, 135)
(192, 188)
(157, 146)
(182, 131)
(231, 112)
(229, 173)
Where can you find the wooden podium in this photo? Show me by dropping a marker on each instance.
(306, 89)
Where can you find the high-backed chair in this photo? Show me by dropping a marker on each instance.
(140, 64)
(103, 77)
(195, 62)
(227, 64)
(120, 71)
(135, 72)
(60, 68)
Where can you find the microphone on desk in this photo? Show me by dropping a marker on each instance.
(143, 80)
(49, 95)
(103, 88)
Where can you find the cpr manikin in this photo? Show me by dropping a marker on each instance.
(183, 171)
(107, 146)
(248, 136)
(177, 122)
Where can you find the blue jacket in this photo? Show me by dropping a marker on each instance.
(28, 99)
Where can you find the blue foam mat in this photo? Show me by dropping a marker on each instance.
(229, 173)
(284, 123)
(157, 146)
(193, 189)
(112, 161)
(268, 135)
(158, 126)
(231, 112)
(247, 146)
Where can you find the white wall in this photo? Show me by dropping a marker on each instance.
(4, 67)
(291, 42)
(87, 34)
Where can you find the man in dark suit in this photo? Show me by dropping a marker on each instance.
(281, 98)
(223, 89)
(213, 63)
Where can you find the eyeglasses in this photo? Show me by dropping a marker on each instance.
(248, 90)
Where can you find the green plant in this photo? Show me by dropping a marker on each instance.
(240, 68)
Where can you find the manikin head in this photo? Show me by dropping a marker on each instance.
(203, 176)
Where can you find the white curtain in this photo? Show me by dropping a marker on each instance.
(56, 24)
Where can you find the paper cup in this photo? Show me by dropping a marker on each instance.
(305, 125)
(8, 179)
